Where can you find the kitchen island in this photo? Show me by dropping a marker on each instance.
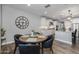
(64, 36)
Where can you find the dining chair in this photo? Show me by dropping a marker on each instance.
(17, 41)
(49, 42)
(29, 49)
(74, 37)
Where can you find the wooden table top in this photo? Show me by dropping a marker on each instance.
(32, 39)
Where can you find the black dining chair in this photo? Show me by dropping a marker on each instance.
(17, 41)
(29, 49)
(74, 37)
(49, 42)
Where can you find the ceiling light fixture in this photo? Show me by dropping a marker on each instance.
(48, 5)
(69, 18)
(28, 4)
(69, 15)
(45, 12)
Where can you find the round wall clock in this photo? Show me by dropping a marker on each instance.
(22, 22)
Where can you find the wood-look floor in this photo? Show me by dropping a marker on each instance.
(58, 47)
(62, 48)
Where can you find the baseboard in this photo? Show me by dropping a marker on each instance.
(64, 41)
(8, 43)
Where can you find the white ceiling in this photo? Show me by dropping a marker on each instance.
(56, 11)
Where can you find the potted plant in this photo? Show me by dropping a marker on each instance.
(2, 32)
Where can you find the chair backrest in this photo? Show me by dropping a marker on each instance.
(16, 36)
(49, 42)
(29, 49)
(74, 33)
(17, 41)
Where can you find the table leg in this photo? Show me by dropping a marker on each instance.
(42, 47)
(39, 46)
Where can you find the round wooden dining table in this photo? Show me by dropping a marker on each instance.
(39, 39)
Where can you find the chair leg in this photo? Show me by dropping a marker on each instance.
(73, 41)
(42, 49)
(51, 50)
(15, 49)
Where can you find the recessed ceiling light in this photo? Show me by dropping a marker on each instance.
(53, 16)
(28, 4)
(69, 18)
(45, 12)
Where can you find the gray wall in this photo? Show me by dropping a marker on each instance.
(9, 16)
